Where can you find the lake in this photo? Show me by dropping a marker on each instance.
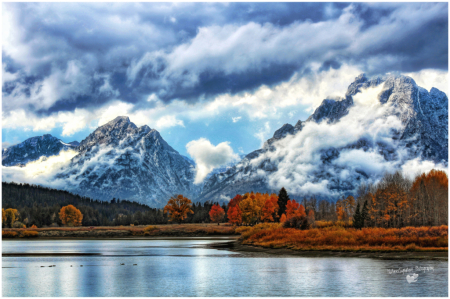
(187, 268)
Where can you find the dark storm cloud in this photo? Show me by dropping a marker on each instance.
(62, 56)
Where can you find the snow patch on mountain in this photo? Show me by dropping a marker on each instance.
(33, 149)
(377, 127)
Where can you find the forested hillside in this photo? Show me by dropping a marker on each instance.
(40, 206)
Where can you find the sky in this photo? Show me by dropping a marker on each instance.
(221, 75)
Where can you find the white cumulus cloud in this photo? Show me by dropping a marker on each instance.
(207, 156)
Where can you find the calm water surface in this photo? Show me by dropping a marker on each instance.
(187, 268)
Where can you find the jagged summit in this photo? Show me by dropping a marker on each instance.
(120, 119)
(111, 132)
(122, 160)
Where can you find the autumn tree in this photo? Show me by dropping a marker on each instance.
(178, 207)
(9, 216)
(430, 192)
(311, 216)
(294, 209)
(70, 216)
(283, 199)
(270, 209)
(349, 206)
(250, 208)
(216, 214)
(234, 212)
(3, 218)
(291, 208)
(340, 210)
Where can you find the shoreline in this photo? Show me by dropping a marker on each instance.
(259, 251)
(232, 243)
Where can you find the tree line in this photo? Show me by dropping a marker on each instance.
(395, 201)
(40, 206)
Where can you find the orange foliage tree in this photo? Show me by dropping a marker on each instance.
(283, 218)
(70, 216)
(430, 192)
(270, 209)
(234, 212)
(178, 207)
(294, 209)
(216, 213)
(291, 208)
(345, 208)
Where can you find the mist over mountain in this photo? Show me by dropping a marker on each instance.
(34, 148)
(380, 125)
(122, 160)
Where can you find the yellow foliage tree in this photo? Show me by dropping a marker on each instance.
(178, 207)
(9, 216)
(249, 208)
(70, 216)
(3, 218)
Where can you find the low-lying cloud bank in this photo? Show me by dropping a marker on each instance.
(40, 172)
(326, 159)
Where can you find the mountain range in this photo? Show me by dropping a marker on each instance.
(382, 122)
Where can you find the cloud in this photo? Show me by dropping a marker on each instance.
(40, 172)
(327, 159)
(207, 156)
(236, 119)
(59, 57)
(8, 144)
(417, 166)
(429, 78)
(263, 133)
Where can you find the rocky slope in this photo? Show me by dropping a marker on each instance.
(124, 161)
(422, 134)
(34, 148)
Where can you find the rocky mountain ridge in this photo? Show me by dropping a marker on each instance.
(33, 148)
(423, 134)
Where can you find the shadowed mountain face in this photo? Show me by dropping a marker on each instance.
(333, 166)
(34, 148)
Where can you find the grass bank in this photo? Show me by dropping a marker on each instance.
(167, 230)
(408, 239)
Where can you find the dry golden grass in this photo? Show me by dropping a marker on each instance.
(151, 230)
(9, 234)
(29, 234)
(349, 239)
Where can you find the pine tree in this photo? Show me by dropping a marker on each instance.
(283, 199)
(364, 213)
(357, 218)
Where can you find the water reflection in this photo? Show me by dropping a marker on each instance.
(184, 268)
